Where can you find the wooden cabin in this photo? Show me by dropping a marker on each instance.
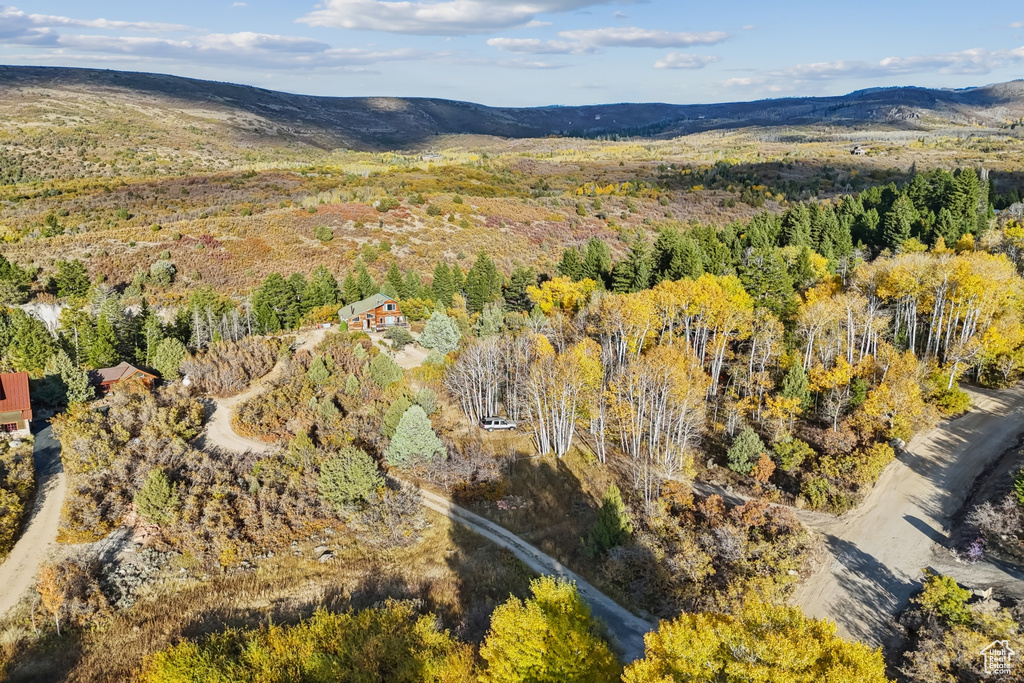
(375, 314)
(15, 404)
(104, 378)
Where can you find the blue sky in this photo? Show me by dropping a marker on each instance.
(531, 52)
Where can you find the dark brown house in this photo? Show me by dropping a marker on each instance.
(15, 403)
(104, 378)
(375, 314)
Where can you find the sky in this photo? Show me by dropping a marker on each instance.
(532, 52)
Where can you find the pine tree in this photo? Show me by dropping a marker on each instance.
(516, 298)
(766, 278)
(803, 270)
(367, 285)
(299, 286)
(613, 526)
(597, 262)
(31, 344)
(795, 385)
(157, 501)
(323, 288)
(65, 383)
(571, 265)
(71, 279)
(275, 304)
(351, 289)
(745, 451)
(168, 358)
(103, 350)
(442, 286)
(394, 285)
(413, 285)
(796, 227)
(318, 372)
(349, 478)
(898, 221)
(634, 273)
(483, 283)
(688, 261)
(458, 280)
(415, 441)
(441, 332)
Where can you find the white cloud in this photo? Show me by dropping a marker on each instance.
(640, 37)
(239, 4)
(447, 17)
(679, 60)
(977, 61)
(1017, 24)
(593, 40)
(13, 17)
(535, 46)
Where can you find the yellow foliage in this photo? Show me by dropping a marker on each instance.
(562, 294)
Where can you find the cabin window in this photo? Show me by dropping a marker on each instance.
(9, 427)
(389, 307)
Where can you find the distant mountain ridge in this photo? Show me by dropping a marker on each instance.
(408, 123)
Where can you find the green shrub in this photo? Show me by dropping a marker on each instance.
(157, 501)
(394, 415)
(441, 333)
(385, 371)
(791, 453)
(942, 596)
(953, 402)
(323, 233)
(399, 336)
(349, 478)
(426, 398)
(1018, 487)
(613, 526)
(745, 451)
(414, 442)
(168, 357)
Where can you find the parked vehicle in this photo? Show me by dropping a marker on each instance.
(492, 423)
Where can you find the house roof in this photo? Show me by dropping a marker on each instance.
(14, 392)
(117, 373)
(360, 307)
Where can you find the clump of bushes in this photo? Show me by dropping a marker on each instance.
(228, 367)
(17, 483)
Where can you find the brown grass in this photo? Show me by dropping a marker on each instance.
(457, 575)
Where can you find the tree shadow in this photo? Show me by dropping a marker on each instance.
(870, 593)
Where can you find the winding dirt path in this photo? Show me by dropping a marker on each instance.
(18, 572)
(626, 628)
(218, 430)
(879, 549)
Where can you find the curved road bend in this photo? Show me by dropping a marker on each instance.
(879, 549)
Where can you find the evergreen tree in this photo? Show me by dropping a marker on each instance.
(157, 501)
(441, 332)
(516, 298)
(745, 451)
(103, 349)
(442, 287)
(367, 285)
(323, 288)
(350, 289)
(898, 221)
(635, 272)
(414, 442)
(385, 371)
(168, 357)
(688, 261)
(349, 478)
(947, 227)
(299, 287)
(763, 230)
(275, 304)
(151, 336)
(413, 285)
(796, 227)
(483, 284)
(766, 278)
(795, 385)
(597, 262)
(63, 382)
(458, 280)
(394, 285)
(71, 279)
(665, 249)
(803, 270)
(394, 415)
(613, 526)
(318, 372)
(571, 265)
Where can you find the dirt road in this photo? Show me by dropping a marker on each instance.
(19, 570)
(880, 548)
(627, 628)
(218, 430)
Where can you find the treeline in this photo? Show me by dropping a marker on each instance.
(550, 636)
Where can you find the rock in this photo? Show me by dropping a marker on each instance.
(326, 557)
(319, 550)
